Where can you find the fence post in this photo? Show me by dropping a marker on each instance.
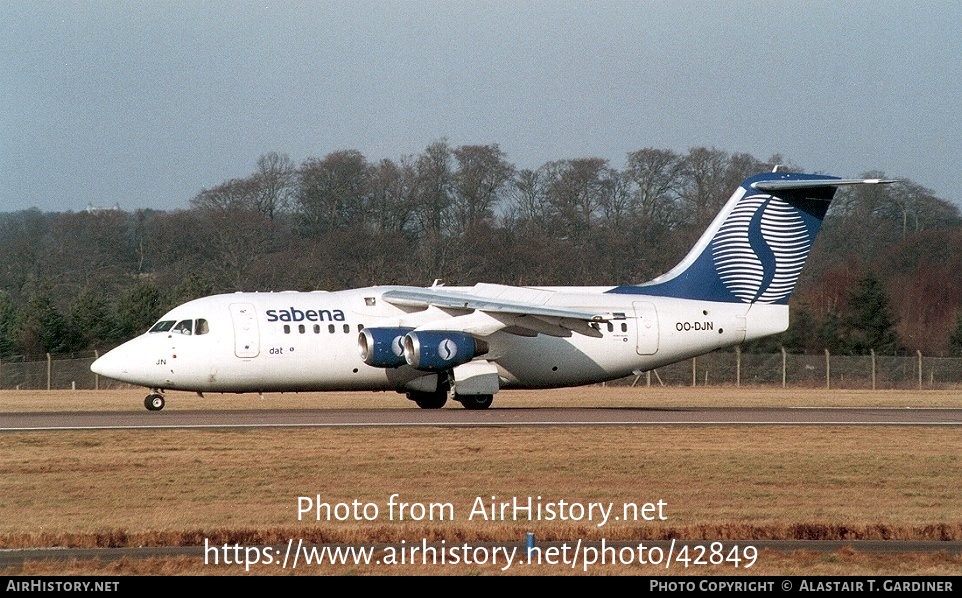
(873, 368)
(783, 366)
(738, 366)
(49, 366)
(920, 369)
(828, 370)
(694, 372)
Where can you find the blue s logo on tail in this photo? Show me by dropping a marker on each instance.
(755, 249)
(760, 249)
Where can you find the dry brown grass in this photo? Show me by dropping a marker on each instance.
(169, 487)
(132, 399)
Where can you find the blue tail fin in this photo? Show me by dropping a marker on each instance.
(754, 250)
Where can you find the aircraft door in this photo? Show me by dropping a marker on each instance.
(246, 334)
(646, 319)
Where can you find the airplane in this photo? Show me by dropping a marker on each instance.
(468, 342)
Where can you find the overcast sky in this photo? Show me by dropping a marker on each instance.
(144, 104)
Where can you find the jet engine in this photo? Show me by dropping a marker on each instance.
(382, 347)
(436, 351)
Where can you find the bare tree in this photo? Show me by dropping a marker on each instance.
(235, 194)
(332, 191)
(478, 183)
(235, 230)
(656, 174)
(391, 188)
(576, 192)
(916, 208)
(274, 183)
(433, 189)
(529, 198)
(705, 186)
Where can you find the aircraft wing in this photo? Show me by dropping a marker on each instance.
(488, 308)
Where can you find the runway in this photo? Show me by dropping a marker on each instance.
(496, 417)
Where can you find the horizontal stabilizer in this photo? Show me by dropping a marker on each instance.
(800, 184)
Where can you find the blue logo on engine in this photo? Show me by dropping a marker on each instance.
(447, 349)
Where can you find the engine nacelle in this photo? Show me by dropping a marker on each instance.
(437, 351)
(382, 347)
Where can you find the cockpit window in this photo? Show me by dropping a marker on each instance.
(163, 326)
(200, 326)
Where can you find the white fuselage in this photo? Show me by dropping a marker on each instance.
(308, 341)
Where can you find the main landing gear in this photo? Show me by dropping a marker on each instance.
(154, 401)
(429, 400)
(475, 401)
(436, 400)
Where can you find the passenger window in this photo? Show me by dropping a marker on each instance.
(317, 328)
(360, 327)
(624, 327)
(347, 328)
(330, 328)
(184, 327)
(200, 326)
(611, 327)
(287, 328)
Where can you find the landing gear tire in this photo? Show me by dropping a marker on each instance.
(429, 400)
(475, 401)
(154, 402)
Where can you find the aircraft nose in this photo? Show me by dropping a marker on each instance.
(108, 365)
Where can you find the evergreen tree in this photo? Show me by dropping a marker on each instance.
(91, 322)
(44, 328)
(138, 309)
(870, 324)
(9, 327)
(192, 286)
(801, 334)
(829, 334)
(955, 339)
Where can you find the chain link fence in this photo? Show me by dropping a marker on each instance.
(733, 368)
(721, 368)
(53, 373)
